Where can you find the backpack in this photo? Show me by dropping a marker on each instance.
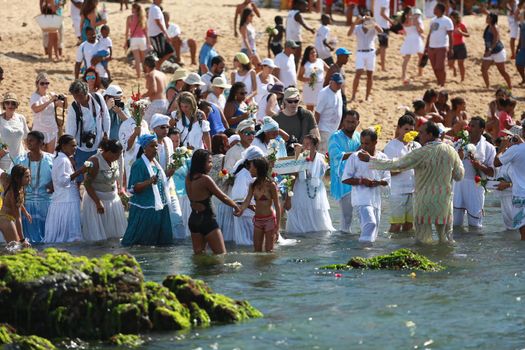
(80, 117)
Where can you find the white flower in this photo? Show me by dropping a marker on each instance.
(88, 164)
(290, 194)
(470, 148)
(292, 177)
(181, 150)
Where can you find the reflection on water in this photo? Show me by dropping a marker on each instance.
(478, 302)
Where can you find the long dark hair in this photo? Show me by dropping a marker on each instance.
(306, 54)
(217, 144)
(63, 140)
(244, 16)
(405, 13)
(262, 167)
(88, 6)
(234, 89)
(15, 182)
(113, 146)
(198, 162)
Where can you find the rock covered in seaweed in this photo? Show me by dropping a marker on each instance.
(401, 259)
(126, 340)
(10, 340)
(54, 294)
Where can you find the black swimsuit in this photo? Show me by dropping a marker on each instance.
(203, 221)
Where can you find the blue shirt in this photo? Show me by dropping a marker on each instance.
(338, 145)
(216, 125)
(206, 55)
(115, 123)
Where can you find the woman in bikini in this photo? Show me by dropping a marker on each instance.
(13, 204)
(266, 220)
(200, 187)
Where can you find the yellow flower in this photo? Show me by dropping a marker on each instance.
(410, 136)
(377, 128)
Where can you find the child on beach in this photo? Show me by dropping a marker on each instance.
(266, 220)
(459, 50)
(13, 204)
(105, 48)
(366, 194)
(323, 41)
(275, 41)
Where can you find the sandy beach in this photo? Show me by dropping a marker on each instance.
(22, 56)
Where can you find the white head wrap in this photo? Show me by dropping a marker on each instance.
(159, 119)
(245, 124)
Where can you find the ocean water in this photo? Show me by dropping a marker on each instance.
(478, 302)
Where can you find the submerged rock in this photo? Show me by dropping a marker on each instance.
(401, 259)
(127, 340)
(10, 340)
(55, 294)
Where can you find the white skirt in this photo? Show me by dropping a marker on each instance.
(177, 223)
(111, 224)
(309, 214)
(309, 94)
(185, 207)
(243, 228)
(63, 223)
(224, 214)
(412, 45)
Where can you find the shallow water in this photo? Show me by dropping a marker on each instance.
(478, 302)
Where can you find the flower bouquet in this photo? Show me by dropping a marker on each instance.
(252, 108)
(410, 136)
(180, 155)
(286, 185)
(273, 148)
(313, 78)
(226, 177)
(137, 106)
(271, 31)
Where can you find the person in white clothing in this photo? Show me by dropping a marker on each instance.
(179, 44)
(86, 56)
(402, 187)
(413, 43)
(158, 33)
(216, 71)
(43, 104)
(285, 69)
(192, 123)
(76, 5)
(216, 94)
(439, 40)
(382, 18)
(366, 182)
(63, 216)
(248, 34)
(264, 80)
(329, 110)
(244, 73)
(294, 24)
(513, 12)
(128, 134)
(504, 188)
(246, 133)
(323, 41)
(512, 152)
(469, 196)
(311, 73)
(365, 31)
(13, 131)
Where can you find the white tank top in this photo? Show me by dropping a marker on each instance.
(293, 28)
(246, 79)
(250, 33)
(262, 93)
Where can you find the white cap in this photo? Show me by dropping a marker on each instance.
(268, 62)
(114, 91)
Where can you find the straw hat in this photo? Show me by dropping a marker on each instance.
(180, 74)
(193, 79)
(220, 82)
(10, 96)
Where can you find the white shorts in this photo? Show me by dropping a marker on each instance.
(76, 26)
(401, 208)
(138, 44)
(365, 60)
(499, 57)
(514, 28)
(184, 48)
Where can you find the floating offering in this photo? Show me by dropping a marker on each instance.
(401, 259)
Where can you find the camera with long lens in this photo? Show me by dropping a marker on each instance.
(88, 138)
(119, 104)
(61, 97)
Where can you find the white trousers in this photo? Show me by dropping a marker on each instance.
(369, 217)
(507, 210)
(469, 198)
(346, 212)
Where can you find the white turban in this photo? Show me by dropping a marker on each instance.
(234, 138)
(245, 124)
(159, 119)
(250, 153)
(269, 124)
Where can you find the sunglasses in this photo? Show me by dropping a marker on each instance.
(10, 103)
(90, 77)
(43, 83)
(292, 101)
(248, 133)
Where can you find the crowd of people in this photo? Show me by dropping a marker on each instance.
(194, 155)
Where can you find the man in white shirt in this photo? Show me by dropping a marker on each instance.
(87, 120)
(246, 131)
(329, 110)
(402, 188)
(180, 45)
(365, 182)
(382, 18)
(286, 70)
(158, 33)
(365, 31)
(86, 55)
(469, 197)
(512, 152)
(439, 40)
(322, 41)
(216, 70)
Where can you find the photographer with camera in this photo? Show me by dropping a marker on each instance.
(512, 152)
(87, 120)
(118, 113)
(44, 106)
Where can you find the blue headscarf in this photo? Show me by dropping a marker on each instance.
(145, 140)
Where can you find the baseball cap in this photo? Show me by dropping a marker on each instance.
(337, 77)
(242, 58)
(113, 91)
(291, 44)
(211, 33)
(268, 62)
(291, 92)
(343, 51)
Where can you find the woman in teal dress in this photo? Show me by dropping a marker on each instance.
(38, 191)
(149, 217)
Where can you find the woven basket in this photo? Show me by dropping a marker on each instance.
(49, 23)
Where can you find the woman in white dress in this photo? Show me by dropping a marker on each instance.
(102, 212)
(13, 130)
(310, 207)
(248, 34)
(413, 44)
(311, 72)
(264, 80)
(128, 134)
(192, 123)
(43, 104)
(63, 216)
(244, 73)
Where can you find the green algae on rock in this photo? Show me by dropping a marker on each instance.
(10, 339)
(401, 259)
(55, 294)
(127, 340)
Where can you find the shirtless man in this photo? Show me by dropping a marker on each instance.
(156, 87)
(238, 10)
